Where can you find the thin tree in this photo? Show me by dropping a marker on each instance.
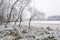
(22, 7)
(34, 13)
(8, 19)
(31, 19)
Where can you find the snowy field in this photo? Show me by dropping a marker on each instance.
(37, 31)
(44, 24)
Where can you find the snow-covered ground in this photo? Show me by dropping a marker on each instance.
(51, 24)
(37, 31)
(55, 22)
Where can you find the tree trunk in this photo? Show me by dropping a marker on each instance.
(20, 20)
(19, 24)
(29, 22)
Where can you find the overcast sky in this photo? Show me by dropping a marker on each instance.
(49, 7)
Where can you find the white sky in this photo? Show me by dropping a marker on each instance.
(49, 7)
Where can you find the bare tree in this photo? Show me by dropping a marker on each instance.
(31, 19)
(35, 13)
(8, 20)
(24, 4)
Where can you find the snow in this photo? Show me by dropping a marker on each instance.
(24, 33)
